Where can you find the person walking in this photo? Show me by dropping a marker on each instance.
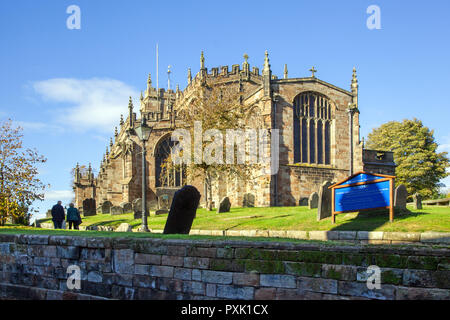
(58, 215)
(73, 217)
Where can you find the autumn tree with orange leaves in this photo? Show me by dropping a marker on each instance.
(19, 182)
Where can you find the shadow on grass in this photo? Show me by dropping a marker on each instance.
(372, 220)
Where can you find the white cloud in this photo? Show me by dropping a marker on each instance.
(444, 148)
(39, 126)
(93, 103)
(63, 195)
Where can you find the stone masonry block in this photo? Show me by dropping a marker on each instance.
(194, 262)
(124, 261)
(182, 273)
(277, 280)
(172, 261)
(217, 277)
(234, 292)
(162, 271)
(69, 252)
(143, 258)
(318, 285)
(246, 279)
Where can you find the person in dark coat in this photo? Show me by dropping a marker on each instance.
(73, 217)
(58, 215)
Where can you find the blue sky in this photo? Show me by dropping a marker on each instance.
(67, 88)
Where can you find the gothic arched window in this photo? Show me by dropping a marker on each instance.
(167, 177)
(312, 120)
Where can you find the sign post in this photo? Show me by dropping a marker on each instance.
(363, 191)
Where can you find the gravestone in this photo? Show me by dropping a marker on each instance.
(303, 202)
(89, 207)
(313, 200)
(126, 207)
(99, 209)
(249, 200)
(417, 197)
(116, 210)
(137, 207)
(224, 205)
(124, 227)
(182, 211)
(164, 196)
(324, 203)
(106, 207)
(161, 211)
(400, 196)
(48, 214)
(152, 205)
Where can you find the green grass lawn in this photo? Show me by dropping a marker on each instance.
(431, 218)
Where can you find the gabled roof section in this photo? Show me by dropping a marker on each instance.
(311, 79)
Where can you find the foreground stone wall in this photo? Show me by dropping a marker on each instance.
(34, 267)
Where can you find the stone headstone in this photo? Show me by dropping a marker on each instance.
(99, 209)
(126, 207)
(417, 197)
(324, 203)
(152, 205)
(182, 211)
(224, 205)
(303, 202)
(400, 196)
(313, 200)
(116, 210)
(137, 205)
(164, 201)
(89, 207)
(249, 200)
(164, 196)
(124, 227)
(161, 211)
(48, 214)
(106, 207)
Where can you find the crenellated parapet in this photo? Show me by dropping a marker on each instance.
(221, 75)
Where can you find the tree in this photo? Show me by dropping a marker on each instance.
(19, 184)
(419, 166)
(217, 108)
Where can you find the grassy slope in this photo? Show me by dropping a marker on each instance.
(297, 218)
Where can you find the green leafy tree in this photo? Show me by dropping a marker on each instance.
(419, 166)
(19, 182)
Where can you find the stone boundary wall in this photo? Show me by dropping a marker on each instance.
(34, 267)
(362, 237)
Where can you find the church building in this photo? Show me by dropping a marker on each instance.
(319, 140)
